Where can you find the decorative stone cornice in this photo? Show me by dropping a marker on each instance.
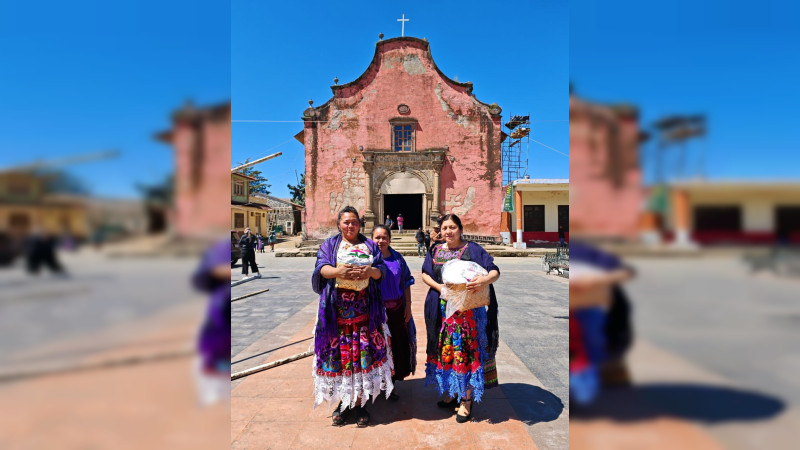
(424, 159)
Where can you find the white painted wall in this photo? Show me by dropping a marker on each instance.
(758, 205)
(550, 199)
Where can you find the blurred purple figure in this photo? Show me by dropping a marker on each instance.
(214, 342)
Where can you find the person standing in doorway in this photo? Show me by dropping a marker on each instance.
(420, 238)
(248, 244)
(272, 239)
(389, 222)
(561, 236)
(400, 222)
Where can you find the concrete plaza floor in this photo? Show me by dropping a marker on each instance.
(274, 408)
(714, 361)
(104, 358)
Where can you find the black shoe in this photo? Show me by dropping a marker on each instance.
(362, 416)
(463, 419)
(451, 404)
(339, 416)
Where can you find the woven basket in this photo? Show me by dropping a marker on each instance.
(467, 300)
(353, 285)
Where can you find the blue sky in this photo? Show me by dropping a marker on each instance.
(734, 61)
(283, 54)
(88, 76)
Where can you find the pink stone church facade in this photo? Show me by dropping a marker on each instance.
(201, 139)
(403, 138)
(606, 194)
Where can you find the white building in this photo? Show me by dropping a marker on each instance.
(541, 206)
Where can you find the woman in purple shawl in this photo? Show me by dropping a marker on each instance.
(396, 293)
(352, 360)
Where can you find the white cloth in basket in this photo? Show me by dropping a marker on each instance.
(458, 273)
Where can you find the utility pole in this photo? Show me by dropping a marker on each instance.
(253, 163)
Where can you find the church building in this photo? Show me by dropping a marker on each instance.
(403, 138)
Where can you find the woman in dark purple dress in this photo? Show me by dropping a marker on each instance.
(396, 293)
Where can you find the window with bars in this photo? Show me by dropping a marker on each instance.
(238, 188)
(238, 220)
(403, 137)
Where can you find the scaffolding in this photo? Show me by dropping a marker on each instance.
(515, 148)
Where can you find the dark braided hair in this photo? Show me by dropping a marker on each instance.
(455, 220)
(383, 227)
(347, 209)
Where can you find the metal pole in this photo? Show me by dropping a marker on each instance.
(249, 295)
(252, 163)
(267, 366)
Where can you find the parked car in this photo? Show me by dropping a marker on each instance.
(236, 252)
(9, 249)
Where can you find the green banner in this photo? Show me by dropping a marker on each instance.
(508, 202)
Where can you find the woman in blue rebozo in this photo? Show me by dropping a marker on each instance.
(461, 348)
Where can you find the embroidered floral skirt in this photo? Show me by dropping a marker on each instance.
(357, 363)
(458, 365)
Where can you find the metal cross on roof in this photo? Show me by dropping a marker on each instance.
(403, 22)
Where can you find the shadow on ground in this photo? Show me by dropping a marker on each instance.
(527, 403)
(694, 402)
(532, 403)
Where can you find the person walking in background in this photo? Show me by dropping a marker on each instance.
(260, 242)
(420, 237)
(41, 250)
(436, 236)
(247, 244)
(272, 239)
(396, 295)
(389, 222)
(400, 222)
(427, 241)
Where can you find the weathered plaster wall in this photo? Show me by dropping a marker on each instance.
(202, 143)
(446, 114)
(605, 178)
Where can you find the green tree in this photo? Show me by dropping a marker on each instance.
(57, 181)
(260, 185)
(299, 191)
(160, 194)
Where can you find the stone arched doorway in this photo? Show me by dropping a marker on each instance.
(404, 193)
